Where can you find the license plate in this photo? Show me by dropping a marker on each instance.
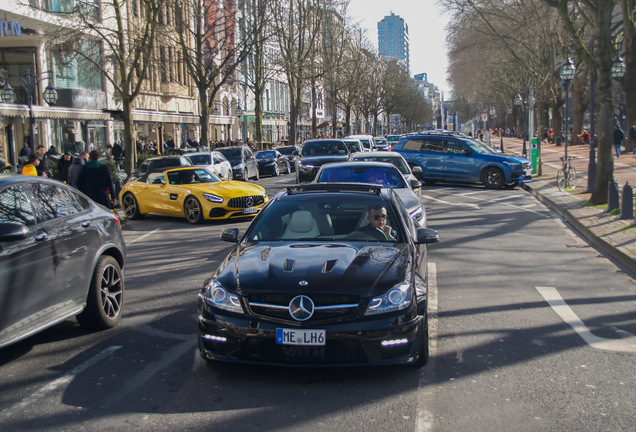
(250, 210)
(300, 337)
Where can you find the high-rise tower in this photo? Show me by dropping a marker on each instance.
(393, 40)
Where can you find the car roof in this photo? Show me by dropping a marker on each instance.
(164, 157)
(7, 179)
(354, 189)
(378, 154)
(358, 163)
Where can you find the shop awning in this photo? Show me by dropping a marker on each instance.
(40, 112)
(164, 117)
(274, 122)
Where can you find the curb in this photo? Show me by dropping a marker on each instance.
(611, 250)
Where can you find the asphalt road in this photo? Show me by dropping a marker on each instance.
(504, 356)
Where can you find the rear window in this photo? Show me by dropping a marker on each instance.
(398, 162)
(231, 153)
(286, 150)
(387, 177)
(265, 155)
(200, 159)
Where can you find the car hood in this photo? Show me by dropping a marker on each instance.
(235, 162)
(266, 161)
(501, 157)
(227, 188)
(321, 160)
(408, 197)
(356, 268)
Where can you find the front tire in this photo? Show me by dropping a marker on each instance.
(422, 360)
(511, 185)
(131, 207)
(257, 176)
(288, 168)
(276, 171)
(493, 178)
(193, 210)
(105, 296)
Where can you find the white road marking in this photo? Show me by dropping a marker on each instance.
(424, 422)
(143, 236)
(554, 299)
(292, 180)
(472, 193)
(506, 197)
(55, 384)
(528, 206)
(475, 206)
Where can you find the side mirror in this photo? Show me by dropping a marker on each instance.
(416, 170)
(230, 235)
(415, 184)
(427, 235)
(12, 231)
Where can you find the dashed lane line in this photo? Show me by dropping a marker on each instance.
(55, 384)
(554, 299)
(424, 422)
(143, 236)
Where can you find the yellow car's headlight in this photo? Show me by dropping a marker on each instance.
(212, 198)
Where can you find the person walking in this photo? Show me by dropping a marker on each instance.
(31, 167)
(64, 164)
(26, 150)
(617, 139)
(76, 168)
(96, 181)
(118, 153)
(44, 168)
(632, 139)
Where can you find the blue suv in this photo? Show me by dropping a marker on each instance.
(455, 157)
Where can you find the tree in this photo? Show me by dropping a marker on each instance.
(117, 43)
(215, 38)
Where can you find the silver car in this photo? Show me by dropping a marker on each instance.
(214, 161)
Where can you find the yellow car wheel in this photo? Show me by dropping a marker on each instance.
(193, 210)
(131, 207)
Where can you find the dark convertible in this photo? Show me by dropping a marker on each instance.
(327, 274)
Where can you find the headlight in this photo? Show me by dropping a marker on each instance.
(417, 213)
(513, 164)
(239, 166)
(212, 198)
(398, 297)
(264, 192)
(217, 296)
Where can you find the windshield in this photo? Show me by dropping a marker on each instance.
(387, 177)
(332, 218)
(286, 150)
(353, 145)
(393, 138)
(192, 176)
(322, 148)
(479, 147)
(231, 153)
(266, 155)
(381, 141)
(200, 159)
(397, 161)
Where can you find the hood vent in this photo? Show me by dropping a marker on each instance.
(289, 265)
(329, 265)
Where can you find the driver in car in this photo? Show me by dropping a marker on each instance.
(377, 224)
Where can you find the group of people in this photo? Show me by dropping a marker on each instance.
(618, 138)
(84, 172)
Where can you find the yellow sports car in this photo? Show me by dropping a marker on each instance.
(191, 192)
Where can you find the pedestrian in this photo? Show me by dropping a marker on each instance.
(507, 132)
(76, 168)
(52, 151)
(632, 139)
(64, 164)
(109, 152)
(617, 139)
(96, 181)
(31, 167)
(26, 150)
(118, 153)
(44, 168)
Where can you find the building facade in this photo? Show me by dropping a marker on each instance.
(393, 40)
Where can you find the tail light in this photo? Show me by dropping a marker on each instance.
(116, 220)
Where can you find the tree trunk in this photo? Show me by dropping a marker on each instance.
(258, 118)
(605, 164)
(314, 100)
(581, 103)
(347, 120)
(130, 156)
(293, 112)
(204, 118)
(557, 118)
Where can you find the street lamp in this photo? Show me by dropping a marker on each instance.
(29, 81)
(519, 101)
(567, 73)
(618, 66)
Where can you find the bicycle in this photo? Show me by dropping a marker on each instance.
(566, 176)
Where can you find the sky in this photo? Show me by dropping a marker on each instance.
(427, 32)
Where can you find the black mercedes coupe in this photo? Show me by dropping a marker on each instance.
(326, 275)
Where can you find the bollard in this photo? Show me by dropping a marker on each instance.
(612, 196)
(627, 203)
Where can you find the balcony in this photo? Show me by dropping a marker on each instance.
(170, 89)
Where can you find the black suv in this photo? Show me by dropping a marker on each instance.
(330, 274)
(61, 255)
(244, 164)
(316, 153)
(160, 162)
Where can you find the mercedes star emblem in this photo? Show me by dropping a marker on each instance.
(301, 308)
(249, 201)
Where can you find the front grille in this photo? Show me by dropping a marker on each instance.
(241, 202)
(334, 351)
(277, 305)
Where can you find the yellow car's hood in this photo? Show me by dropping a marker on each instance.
(227, 188)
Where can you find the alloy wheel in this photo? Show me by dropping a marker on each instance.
(111, 291)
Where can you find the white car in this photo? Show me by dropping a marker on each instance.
(368, 142)
(214, 161)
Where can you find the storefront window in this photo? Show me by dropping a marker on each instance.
(75, 73)
(18, 61)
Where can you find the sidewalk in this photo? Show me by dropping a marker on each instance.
(605, 231)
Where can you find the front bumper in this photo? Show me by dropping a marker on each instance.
(238, 173)
(266, 169)
(307, 174)
(222, 211)
(246, 339)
